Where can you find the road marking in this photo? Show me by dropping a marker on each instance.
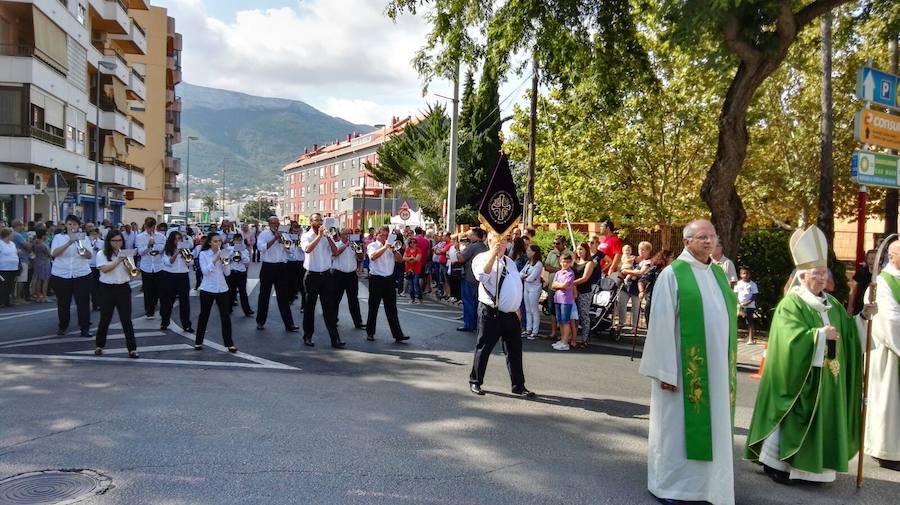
(224, 364)
(256, 359)
(149, 348)
(65, 340)
(24, 314)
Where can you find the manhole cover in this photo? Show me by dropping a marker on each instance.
(52, 487)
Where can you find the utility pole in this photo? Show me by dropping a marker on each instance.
(454, 145)
(187, 183)
(363, 218)
(891, 198)
(532, 147)
(224, 160)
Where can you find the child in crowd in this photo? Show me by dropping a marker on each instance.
(627, 262)
(747, 293)
(564, 301)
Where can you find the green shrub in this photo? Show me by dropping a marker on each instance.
(544, 239)
(768, 255)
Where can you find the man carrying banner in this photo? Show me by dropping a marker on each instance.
(690, 354)
(499, 288)
(883, 418)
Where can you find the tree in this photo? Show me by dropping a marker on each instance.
(416, 162)
(210, 203)
(257, 211)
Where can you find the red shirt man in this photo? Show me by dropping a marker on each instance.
(611, 247)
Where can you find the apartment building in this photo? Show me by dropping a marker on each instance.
(333, 180)
(160, 115)
(68, 95)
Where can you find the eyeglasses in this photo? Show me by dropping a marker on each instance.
(115, 240)
(704, 238)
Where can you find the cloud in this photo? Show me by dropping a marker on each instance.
(343, 56)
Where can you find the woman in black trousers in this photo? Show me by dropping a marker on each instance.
(175, 282)
(215, 265)
(115, 292)
(70, 276)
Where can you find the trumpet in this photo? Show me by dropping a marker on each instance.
(226, 260)
(237, 257)
(128, 261)
(398, 246)
(286, 242)
(80, 247)
(331, 232)
(357, 247)
(187, 255)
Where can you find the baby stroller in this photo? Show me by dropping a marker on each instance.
(603, 305)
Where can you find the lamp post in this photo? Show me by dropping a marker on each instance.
(111, 67)
(187, 183)
(381, 217)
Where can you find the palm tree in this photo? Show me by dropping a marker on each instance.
(209, 203)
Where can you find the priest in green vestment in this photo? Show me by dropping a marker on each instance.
(806, 423)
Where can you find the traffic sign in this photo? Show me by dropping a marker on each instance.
(877, 87)
(875, 169)
(405, 214)
(877, 128)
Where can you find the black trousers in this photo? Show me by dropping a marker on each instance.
(172, 286)
(296, 273)
(95, 288)
(494, 325)
(383, 289)
(116, 297)
(237, 284)
(150, 285)
(7, 285)
(274, 274)
(320, 285)
(347, 282)
(223, 302)
(66, 289)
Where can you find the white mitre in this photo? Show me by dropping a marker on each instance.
(809, 248)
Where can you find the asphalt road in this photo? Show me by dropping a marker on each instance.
(376, 423)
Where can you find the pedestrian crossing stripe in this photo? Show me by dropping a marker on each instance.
(193, 293)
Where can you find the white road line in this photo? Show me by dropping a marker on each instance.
(261, 361)
(224, 364)
(149, 348)
(5, 317)
(66, 340)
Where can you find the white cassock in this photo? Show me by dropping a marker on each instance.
(669, 473)
(883, 417)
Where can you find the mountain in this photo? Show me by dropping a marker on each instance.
(252, 136)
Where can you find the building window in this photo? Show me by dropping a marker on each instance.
(343, 183)
(334, 187)
(321, 171)
(79, 144)
(321, 189)
(70, 138)
(334, 205)
(37, 116)
(80, 13)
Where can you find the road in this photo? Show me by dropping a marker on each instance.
(376, 423)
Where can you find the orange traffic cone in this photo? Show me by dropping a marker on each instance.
(762, 365)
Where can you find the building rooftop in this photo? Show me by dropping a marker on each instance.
(353, 142)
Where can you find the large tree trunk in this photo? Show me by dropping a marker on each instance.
(826, 162)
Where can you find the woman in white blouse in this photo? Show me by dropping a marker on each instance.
(70, 276)
(175, 282)
(531, 276)
(214, 289)
(9, 266)
(115, 292)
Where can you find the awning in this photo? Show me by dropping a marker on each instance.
(16, 189)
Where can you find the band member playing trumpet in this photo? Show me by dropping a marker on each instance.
(175, 281)
(237, 281)
(273, 273)
(382, 258)
(215, 264)
(345, 263)
(70, 275)
(149, 245)
(320, 249)
(295, 258)
(115, 292)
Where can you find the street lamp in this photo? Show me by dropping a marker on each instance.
(111, 67)
(187, 183)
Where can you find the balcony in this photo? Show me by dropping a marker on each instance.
(118, 173)
(123, 71)
(112, 119)
(109, 16)
(137, 88)
(7, 130)
(133, 42)
(170, 97)
(141, 5)
(172, 194)
(173, 71)
(137, 133)
(176, 106)
(173, 164)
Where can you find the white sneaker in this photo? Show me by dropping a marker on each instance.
(149, 317)
(564, 347)
(533, 337)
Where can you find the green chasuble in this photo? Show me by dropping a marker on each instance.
(817, 408)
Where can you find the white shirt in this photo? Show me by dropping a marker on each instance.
(118, 275)
(69, 264)
(96, 247)
(745, 292)
(179, 266)
(213, 273)
(295, 252)
(727, 266)
(319, 259)
(240, 266)
(274, 254)
(128, 238)
(384, 265)
(9, 257)
(532, 274)
(150, 264)
(510, 291)
(345, 261)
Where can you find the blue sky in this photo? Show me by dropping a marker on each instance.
(343, 57)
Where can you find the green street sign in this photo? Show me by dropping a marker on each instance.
(875, 169)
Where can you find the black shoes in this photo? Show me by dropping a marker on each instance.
(339, 344)
(189, 330)
(98, 351)
(475, 388)
(524, 393)
(401, 339)
(61, 331)
(133, 354)
(293, 329)
(232, 349)
(86, 334)
(249, 313)
(198, 347)
(307, 341)
(359, 326)
(370, 338)
(463, 328)
(163, 327)
(777, 475)
(260, 327)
